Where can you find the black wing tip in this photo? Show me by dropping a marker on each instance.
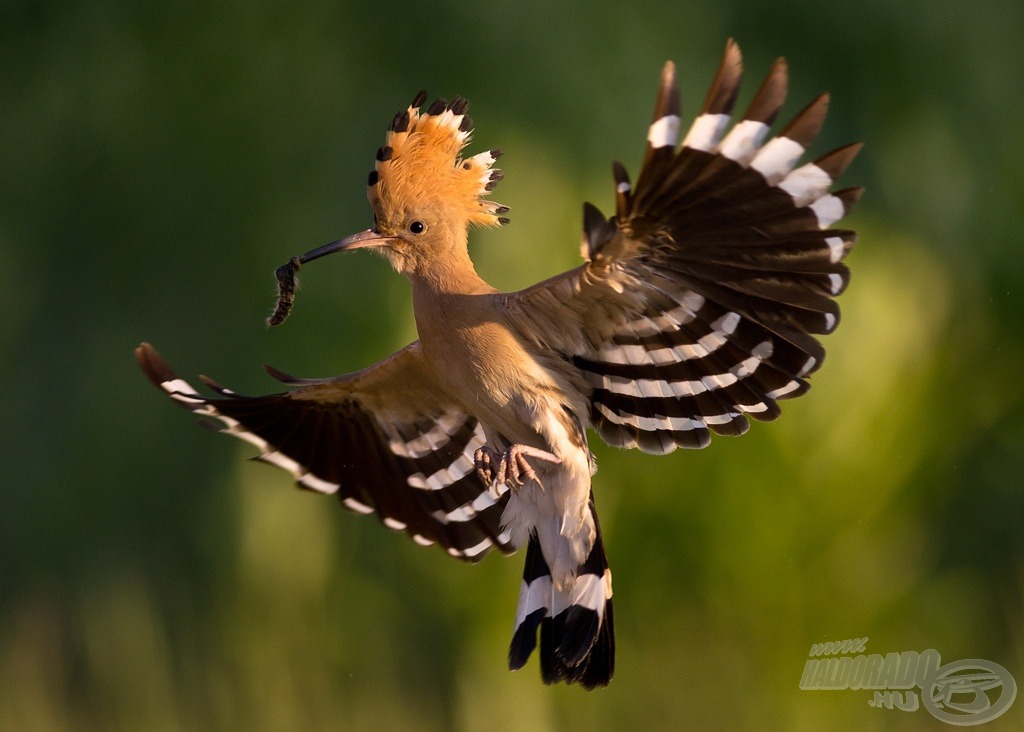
(806, 125)
(281, 375)
(597, 230)
(725, 86)
(620, 174)
(668, 93)
(835, 162)
(222, 390)
(153, 365)
(160, 373)
(623, 190)
(731, 54)
(771, 95)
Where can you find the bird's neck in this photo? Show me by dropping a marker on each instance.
(452, 274)
(447, 294)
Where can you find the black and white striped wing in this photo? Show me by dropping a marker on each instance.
(382, 440)
(670, 379)
(702, 296)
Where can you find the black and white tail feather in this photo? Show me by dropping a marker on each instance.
(577, 634)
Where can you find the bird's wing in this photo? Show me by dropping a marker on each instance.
(385, 440)
(701, 297)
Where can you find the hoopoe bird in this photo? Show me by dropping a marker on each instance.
(697, 307)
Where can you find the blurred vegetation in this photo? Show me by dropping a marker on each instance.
(161, 159)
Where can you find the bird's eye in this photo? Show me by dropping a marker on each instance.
(417, 227)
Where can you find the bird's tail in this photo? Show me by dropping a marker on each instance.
(577, 636)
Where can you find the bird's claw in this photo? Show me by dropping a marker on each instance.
(484, 460)
(510, 467)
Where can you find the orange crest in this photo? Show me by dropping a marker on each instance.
(420, 164)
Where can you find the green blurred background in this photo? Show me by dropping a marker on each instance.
(159, 160)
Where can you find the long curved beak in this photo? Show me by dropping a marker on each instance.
(368, 238)
(286, 282)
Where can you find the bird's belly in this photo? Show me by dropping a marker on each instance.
(496, 378)
(519, 401)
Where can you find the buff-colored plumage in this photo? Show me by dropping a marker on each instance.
(420, 165)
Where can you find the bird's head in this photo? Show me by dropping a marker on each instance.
(424, 194)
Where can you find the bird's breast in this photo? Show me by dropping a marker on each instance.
(488, 368)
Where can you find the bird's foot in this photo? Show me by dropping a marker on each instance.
(510, 467)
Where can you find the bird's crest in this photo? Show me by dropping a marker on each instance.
(421, 160)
